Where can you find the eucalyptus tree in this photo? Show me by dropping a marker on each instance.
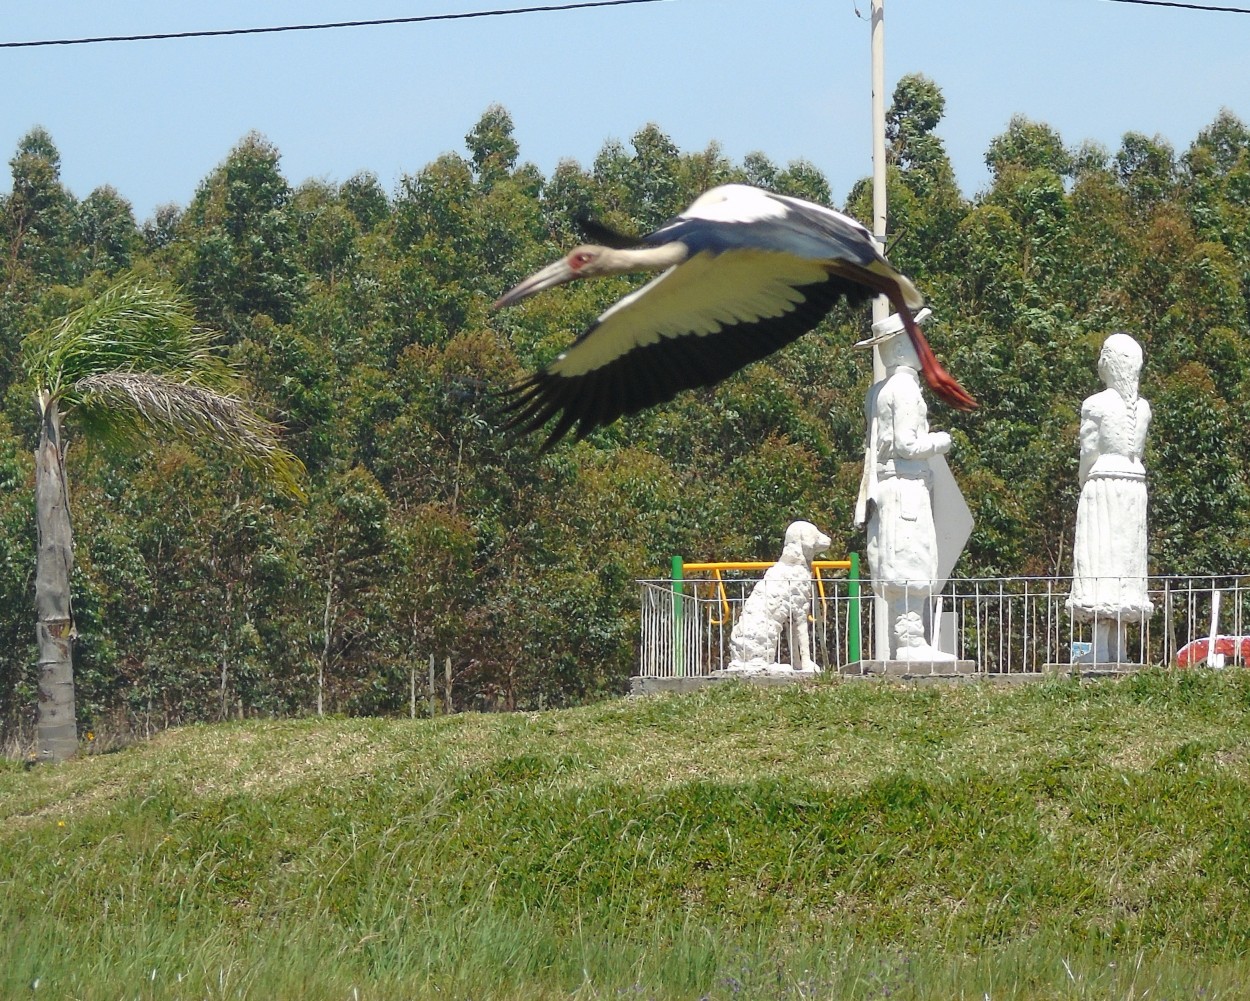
(241, 251)
(107, 231)
(37, 218)
(130, 367)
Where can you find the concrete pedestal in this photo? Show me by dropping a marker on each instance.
(912, 668)
(639, 685)
(1091, 670)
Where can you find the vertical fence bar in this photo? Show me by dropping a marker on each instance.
(1002, 658)
(1025, 649)
(1168, 629)
(1051, 656)
(837, 633)
(853, 611)
(679, 619)
(977, 612)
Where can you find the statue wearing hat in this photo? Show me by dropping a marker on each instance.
(908, 557)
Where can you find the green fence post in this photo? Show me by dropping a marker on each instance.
(852, 618)
(678, 619)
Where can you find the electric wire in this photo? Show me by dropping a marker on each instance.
(216, 33)
(1186, 6)
(545, 9)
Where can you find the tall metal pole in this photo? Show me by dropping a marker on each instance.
(880, 305)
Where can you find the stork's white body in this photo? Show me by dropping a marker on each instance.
(745, 273)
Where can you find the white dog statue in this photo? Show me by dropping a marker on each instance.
(782, 600)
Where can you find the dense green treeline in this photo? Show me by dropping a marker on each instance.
(361, 320)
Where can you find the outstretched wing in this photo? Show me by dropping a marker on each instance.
(692, 326)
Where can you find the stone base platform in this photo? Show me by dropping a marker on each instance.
(654, 686)
(1107, 670)
(907, 669)
(918, 672)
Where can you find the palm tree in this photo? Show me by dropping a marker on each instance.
(129, 367)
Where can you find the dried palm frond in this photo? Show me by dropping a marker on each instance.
(133, 361)
(130, 406)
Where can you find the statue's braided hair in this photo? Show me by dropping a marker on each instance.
(1121, 360)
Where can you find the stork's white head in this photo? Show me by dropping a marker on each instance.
(585, 261)
(590, 260)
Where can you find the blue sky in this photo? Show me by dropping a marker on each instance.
(787, 77)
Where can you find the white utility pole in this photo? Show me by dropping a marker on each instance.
(878, 130)
(880, 305)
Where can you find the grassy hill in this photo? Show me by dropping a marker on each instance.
(843, 840)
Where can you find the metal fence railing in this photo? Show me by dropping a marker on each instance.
(1003, 625)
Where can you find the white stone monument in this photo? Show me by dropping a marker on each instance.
(916, 517)
(1109, 546)
(780, 603)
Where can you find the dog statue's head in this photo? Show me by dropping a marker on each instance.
(807, 538)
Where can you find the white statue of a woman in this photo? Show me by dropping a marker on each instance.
(1109, 548)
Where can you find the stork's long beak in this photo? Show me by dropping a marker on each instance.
(549, 277)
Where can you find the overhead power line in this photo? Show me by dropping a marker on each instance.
(1186, 6)
(321, 27)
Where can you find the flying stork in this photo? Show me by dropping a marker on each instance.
(745, 273)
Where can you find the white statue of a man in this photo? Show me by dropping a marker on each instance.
(1109, 547)
(896, 499)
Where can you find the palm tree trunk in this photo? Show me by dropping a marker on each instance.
(54, 561)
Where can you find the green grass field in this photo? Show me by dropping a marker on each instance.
(843, 840)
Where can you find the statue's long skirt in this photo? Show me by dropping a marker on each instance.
(1109, 551)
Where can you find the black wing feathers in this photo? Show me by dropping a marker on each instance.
(655, 373)
(594, 231)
